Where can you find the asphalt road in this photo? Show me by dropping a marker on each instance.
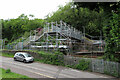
(40, 70)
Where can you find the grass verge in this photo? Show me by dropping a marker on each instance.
(8, 75)
(7, 54)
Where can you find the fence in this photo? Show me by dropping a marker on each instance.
(96, 65)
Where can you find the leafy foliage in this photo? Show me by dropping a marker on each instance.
(55, 58)
(8, 71)
(15, 28)
(112, 37)
(80, 17)
(107, 6)
(83, 65)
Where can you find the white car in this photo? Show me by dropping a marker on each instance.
(23, 56)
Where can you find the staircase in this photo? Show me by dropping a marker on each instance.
(33, 38)
(63, 29)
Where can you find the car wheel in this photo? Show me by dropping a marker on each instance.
(24, 61)
(15, 59)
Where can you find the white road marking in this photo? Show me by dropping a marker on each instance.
(43, 75)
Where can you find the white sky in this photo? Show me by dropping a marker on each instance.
(39, 8)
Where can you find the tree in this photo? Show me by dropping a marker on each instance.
(31, 15)
(112, 37)
(107, 6)
(78, 17)
(15, 28)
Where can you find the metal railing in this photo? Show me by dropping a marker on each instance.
(63, 28)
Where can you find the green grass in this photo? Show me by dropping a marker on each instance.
(39, 60)
(11, 74)
(7, 54)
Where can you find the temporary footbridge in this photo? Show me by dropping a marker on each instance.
(56, 35)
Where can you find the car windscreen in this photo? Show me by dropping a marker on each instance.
(28, 55)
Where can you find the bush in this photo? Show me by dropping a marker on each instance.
(55, 58)
(8, 71)
(83, 65)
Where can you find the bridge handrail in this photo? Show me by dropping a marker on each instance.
(64, 28)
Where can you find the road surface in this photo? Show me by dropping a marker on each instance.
(40, 70)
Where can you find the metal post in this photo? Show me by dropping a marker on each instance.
(91, 48)
(52, 26)
(22, 43)
(48, 27)
(44, 29)
(57, 40)
(47, 43)
(16, 45)
(61, 26)
(30, 36)
(2, 43)
(69, 41)
(84, 36)
(35, 34)
(100, 40)
(30, 40)
(56, 37)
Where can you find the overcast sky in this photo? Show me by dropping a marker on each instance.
(39, 8)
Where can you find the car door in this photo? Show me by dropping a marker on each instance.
(17, 56)
(21, 57)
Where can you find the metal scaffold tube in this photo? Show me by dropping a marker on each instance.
(58, 35)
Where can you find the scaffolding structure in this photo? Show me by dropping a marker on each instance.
(59, 36)
(55, 36)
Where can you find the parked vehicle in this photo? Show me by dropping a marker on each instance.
(23, 56)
